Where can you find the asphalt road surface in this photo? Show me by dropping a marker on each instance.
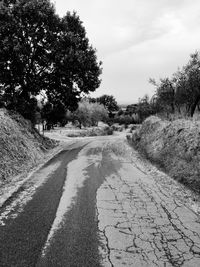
(94, 204)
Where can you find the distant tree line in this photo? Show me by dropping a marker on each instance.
(92, 110)
(134, 113)
(178, 94)
(43, 53)
(108, 101)
(181, 92)
(89, 112)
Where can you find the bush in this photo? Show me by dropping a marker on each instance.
(124, 119)
(89, 114)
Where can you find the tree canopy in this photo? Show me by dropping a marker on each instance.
(89, 114)
(39, 51)
(76, 69)
(182, 90)
(109, 102)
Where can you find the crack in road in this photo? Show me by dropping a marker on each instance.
(121, 213)
(143, 224)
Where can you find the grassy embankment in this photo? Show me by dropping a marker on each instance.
(173, 146)
(21, 146)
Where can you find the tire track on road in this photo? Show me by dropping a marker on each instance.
(22, 237)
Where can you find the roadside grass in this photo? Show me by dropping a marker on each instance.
(21, 146)
(174, 146)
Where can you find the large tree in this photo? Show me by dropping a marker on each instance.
(76, 68)
(40, 51)
(28, 32)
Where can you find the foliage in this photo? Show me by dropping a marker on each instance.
(89, 114)
(145, 108)
(120, 112)
(109, 103)
(165, 94)
(131, 109)
(27, 34)
(124, 119)
(190, 80)
(28, 109)
(41, 51)
(137, 113)
(76, 69)
(182, 90)
(54, 114)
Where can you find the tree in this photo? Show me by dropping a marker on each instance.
(182, 90)
(76, 68)
(98, 113)
(27, 34)
(89, 114)
(109, 103)
(191, 80)
(54, 114)
(165, 92)
(40, 51)
(120, 112)
(131, 109)
(145, 108)
(29, 109)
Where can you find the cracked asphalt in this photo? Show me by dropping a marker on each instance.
(112, 208)
(143, 223)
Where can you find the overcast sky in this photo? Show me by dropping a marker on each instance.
(137, 39)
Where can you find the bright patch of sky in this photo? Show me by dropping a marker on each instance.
(137, 39)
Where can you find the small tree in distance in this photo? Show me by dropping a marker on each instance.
(109, 103)
(89, 114)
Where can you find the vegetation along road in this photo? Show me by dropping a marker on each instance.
(97, 204)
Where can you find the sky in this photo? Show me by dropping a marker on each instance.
(137, 40)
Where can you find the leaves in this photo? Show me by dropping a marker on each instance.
(183, 89)
(40, 51)
(89, 114)
(109, 102)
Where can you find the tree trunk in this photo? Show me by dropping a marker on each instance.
(193, 106)
(173, 109)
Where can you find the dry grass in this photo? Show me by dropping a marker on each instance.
(84, 132)
(175, 146)
(21, 146)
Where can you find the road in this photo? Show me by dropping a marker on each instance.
(97, 204)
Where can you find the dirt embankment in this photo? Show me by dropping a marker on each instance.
(174, 146)
(21, 146)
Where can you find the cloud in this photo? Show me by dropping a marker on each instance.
(118, 22)
(138, 39)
